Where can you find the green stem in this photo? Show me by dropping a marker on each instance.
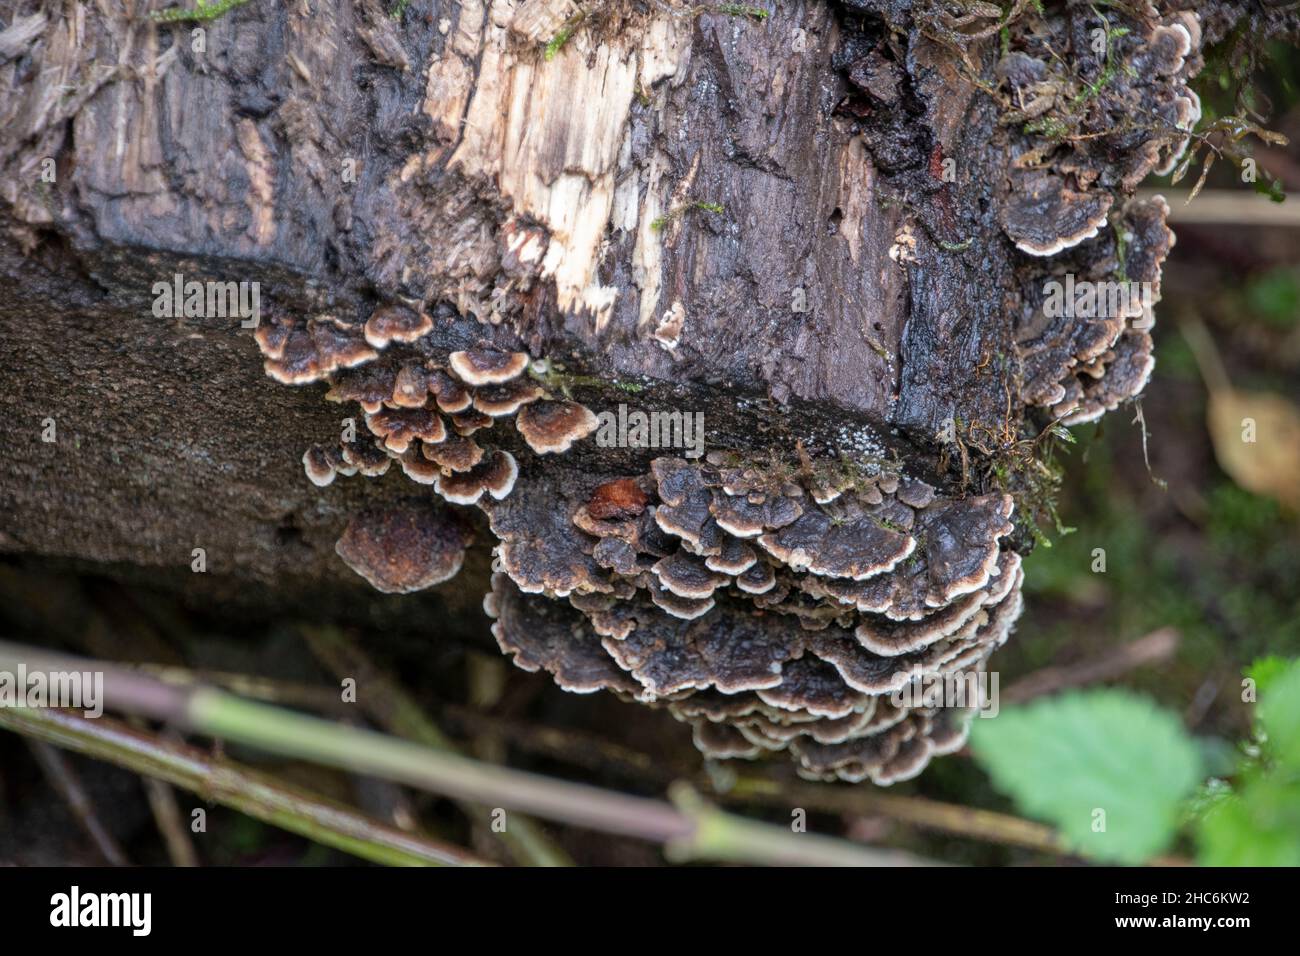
(392, 708)
(221, 781)
(692, 829)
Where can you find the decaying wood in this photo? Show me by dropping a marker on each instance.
(817, 227)
(231, 165)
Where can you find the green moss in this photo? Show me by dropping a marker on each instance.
(742, 10)
(554, 377)
(677, 211)
(200, 13)
(557, 42)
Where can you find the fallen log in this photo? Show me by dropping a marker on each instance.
(501, 240)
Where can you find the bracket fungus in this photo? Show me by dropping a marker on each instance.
(775, 608)
(404, 548)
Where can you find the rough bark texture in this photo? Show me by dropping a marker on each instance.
(820, 229)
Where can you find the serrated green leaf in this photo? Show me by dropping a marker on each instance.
(1108, 768)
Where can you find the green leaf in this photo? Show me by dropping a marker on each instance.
(1279, 716)
(1260, 826)
(1109, 769)
(1265, 670)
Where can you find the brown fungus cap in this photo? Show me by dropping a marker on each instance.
(396, 323)
(748, 519)
(411, 387)
(540, 548)
(730, 652)
(1044, 216)
(893, 638)
(499, 401)
(675, 605)
(451, 395)
(321, 464)
(736, 557)
(858, 548)
(810, 684)
(494, 476)
(617, 555)
(399, 427)
(298, 363)
(687, 576)
(404, 548)
(417, 467)
(487, 367)
(456, 453)
(338, 346)
(552, 427)
(365, 457)
(961, 544)
(369, 385)
(758, 578)
(548, 636)
(272, 336)
(618, 499)
(469, 421)
(723, 742)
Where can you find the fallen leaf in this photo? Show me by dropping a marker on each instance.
(1270, 463)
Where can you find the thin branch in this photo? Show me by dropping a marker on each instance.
(689, 828)
(955, 819)
(231, 785)
(1157, 646)
(167, 815)
(66, 782)
(388, 704)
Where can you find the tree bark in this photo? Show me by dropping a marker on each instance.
(230, 165)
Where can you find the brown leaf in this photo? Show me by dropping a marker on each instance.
(1256, 438)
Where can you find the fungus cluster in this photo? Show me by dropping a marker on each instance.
(1083, 331)
(769, 609)
(421, 407)
(1122, 111)
(768, 614)
(1125, 113)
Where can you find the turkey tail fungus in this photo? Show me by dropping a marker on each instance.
(882, 251)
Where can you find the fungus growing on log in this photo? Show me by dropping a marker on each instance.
(779, 596)
(552, 427)
(404, 548)
(677, 212)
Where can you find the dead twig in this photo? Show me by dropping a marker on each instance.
(1157, 646)
(385, 702)
(67, 784)
(229, 784)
